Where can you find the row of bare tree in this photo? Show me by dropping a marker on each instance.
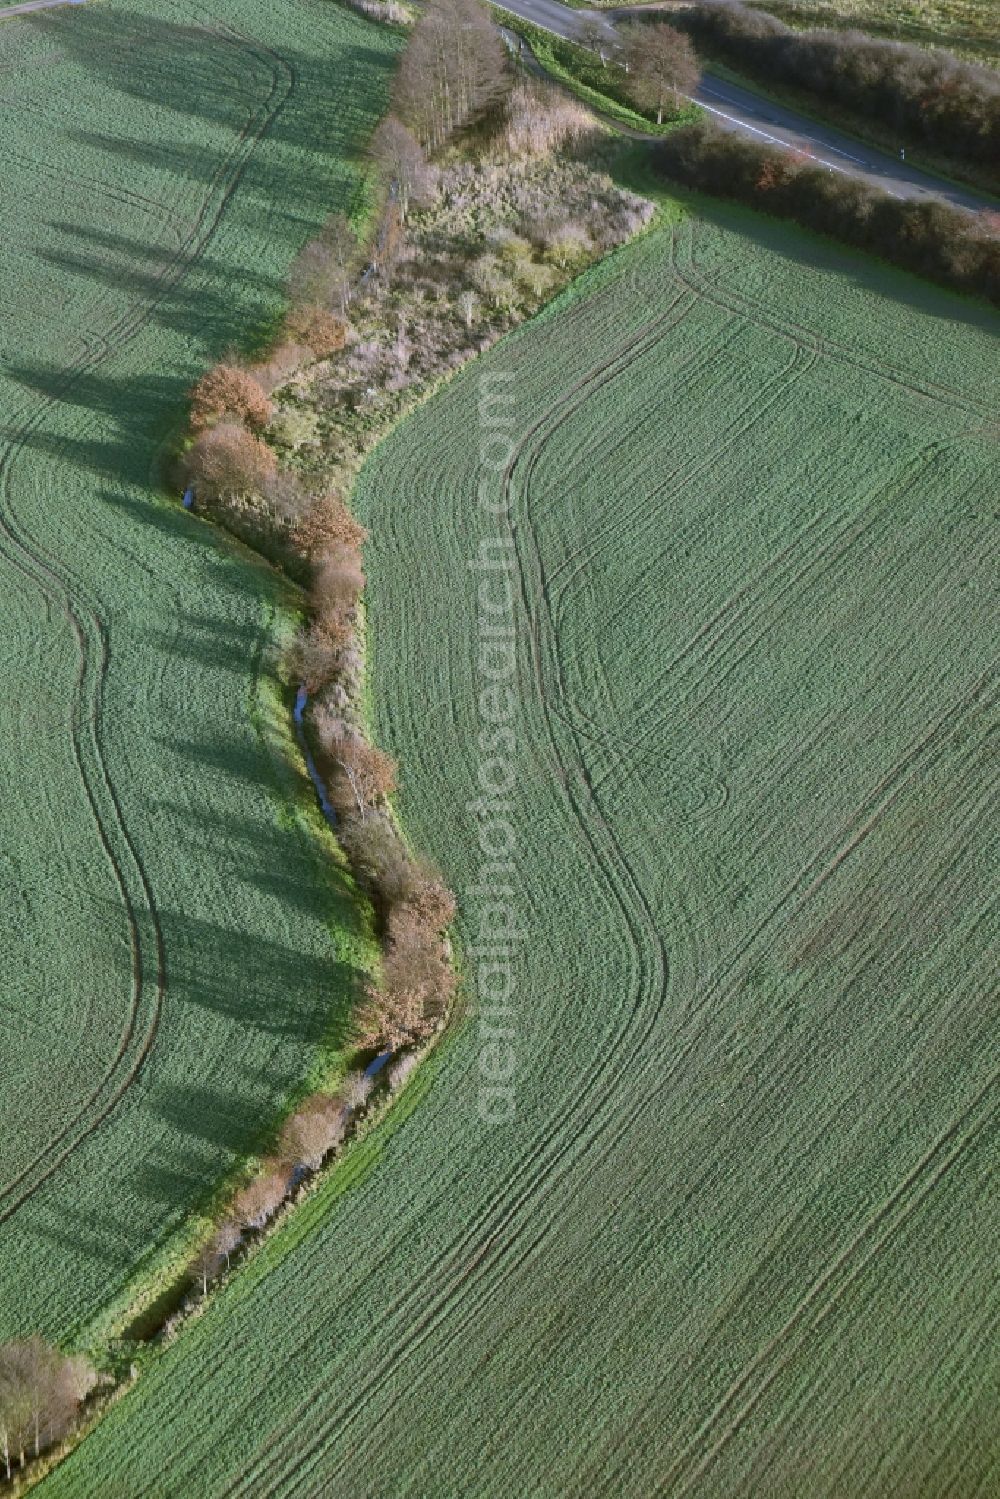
(228, 463)
(453, 68)
(41, 1391)
(661, 68)
(923, 97)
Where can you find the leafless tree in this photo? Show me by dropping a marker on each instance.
(454, 67)
(205, 1265)
(468, 305)
(315, 1128)
(401, 158)
(41, 1391)
(324, 268)
(369, 773)
(661, 64)
(354, 1090)
(594, 37)
(402, 1069)
(228, 1237)
(261, 1198)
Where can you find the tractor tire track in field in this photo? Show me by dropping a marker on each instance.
(900, 1197)
(836, 541)
(926, 390)
(63, 592)
(962, 1130)
(909, 1194)
(635, 347)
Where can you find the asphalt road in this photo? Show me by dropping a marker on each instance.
(741, 109)
(29, 5)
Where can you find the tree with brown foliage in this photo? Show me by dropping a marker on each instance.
(329, 523)
(228, 462)
(932, 238)
(229, 391)
(418, 980)
(432, 901)
(323, 332)
(368, 771)
(261, 1198)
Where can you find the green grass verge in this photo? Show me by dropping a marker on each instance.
(181, 950)
(755, 869)
(583, 74)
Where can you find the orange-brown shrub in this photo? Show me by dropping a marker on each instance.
(432, 901)
(364, 775)
(417, 979)
(338, 582)
(261, 1198)
(228, 461)
(227, 390)
(322, 331)
(328, 523)
(317, 1125)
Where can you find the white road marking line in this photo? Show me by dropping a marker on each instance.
(870, 171)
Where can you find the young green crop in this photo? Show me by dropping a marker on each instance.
(734, 1238)
(177, 944)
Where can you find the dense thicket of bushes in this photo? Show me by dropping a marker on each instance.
(928, 98)
(955, 248)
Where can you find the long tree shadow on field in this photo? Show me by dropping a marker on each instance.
(158, 279)
(210, 73)
(258, 983)
(820, 252)
(217, 83)
(211, 642)
(96, 1235)
(129, 414)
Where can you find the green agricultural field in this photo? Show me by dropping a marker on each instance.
(968, 27)
(177, 943)
(737, 1238)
